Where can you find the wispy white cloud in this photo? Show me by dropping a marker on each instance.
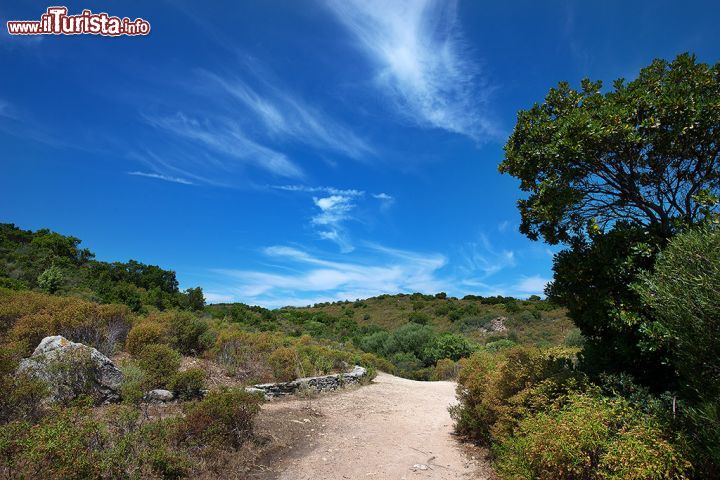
(422, 62)
(483, 258)
(383, 196)
(225, 137)
(309, 278)
(178, 165)
(296, 276)
(350, 192)
(160, 176)
(335, 208)
(334, 212)
(386, 200)
(285, 115)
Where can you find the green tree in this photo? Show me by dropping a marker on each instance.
(592, 280)
(614, 175)
(645, 152)
(50, 279)
(195, 298)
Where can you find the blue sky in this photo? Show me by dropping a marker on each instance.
(279, 152)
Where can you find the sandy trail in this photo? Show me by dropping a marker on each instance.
(382, 431)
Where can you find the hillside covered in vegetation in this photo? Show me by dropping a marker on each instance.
(55, 263)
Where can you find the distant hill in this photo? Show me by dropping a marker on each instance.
(481, 319)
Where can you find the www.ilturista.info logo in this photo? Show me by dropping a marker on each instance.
(56, 21)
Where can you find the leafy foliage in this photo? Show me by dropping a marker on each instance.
(160, 363)
(590, 438)
(223, 418)
(55, 263)
(644, 152)
(684, 294)
(593, 280)
(188, 384)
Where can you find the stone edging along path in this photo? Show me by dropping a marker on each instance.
(319, 384)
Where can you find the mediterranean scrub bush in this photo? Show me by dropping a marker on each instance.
(66, 444)
(284, 362)
(224, 417)
(28, 317)
(188, 385)
(160, 364)
(590, 438)
(496, 390)
(146, 333)
(684, 294)
(22, 394)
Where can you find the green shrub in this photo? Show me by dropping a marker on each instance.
(187, 332)
(497, 345)
(64, 445)
(22, 398)
(409, 338)
(574, 338)
(405, 362)
(475, 414)
(132, 389)
(146, 333)
(22, 394)
(683, 294)
(224, 417)
(284, 363)
(445, 369)
(373, 363)
(51, 279)
(496, 390)
(702, 424)
(160, 364)
(590, 438)
(375, 342)
(420, 318)
(188, 385)
(449, 346)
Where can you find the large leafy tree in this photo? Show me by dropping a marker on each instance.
(645, 152)
(614, 174)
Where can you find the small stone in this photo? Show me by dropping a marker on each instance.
(159, 395)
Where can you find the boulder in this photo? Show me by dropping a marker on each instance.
(159, 395)
(73, 369)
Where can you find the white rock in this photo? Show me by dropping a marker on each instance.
(159, 395)
(72, 369)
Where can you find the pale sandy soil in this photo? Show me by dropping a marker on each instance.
(392, 429)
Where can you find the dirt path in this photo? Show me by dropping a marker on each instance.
(392, 429)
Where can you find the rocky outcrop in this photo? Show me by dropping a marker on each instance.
(318, 384)
(496, 325)
(73, 369)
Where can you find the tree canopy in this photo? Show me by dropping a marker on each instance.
(645, 153)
